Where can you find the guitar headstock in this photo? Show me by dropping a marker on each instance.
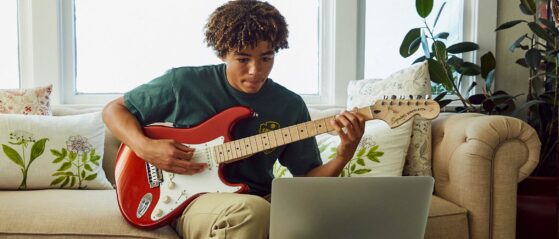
(395, 112)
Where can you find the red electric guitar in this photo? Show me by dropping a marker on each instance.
(149, 198)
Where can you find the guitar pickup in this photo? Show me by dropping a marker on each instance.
(153, 175)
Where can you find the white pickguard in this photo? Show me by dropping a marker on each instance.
(177, 188)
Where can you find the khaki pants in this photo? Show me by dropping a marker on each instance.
(225, 216)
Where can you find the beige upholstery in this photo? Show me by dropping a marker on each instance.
(477, 162)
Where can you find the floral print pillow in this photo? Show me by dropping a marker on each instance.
(40, 152)
(33, 101)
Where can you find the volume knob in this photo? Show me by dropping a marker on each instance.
(171, 185)
(166, 199)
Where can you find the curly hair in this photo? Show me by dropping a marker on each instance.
(239, 24)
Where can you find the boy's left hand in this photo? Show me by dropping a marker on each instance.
(350, 126)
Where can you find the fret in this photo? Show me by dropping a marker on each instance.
(246, 145)
(229, 154)
(238, 150)
(311, 128)
(258, 142)
(253, 144)
(233, 151)
(265, 141)
(302, 130)
(242, 146)
(329, 126)
(294, 133)
(321, 126)
(278, 136)
(221, 154)
(286, 135)
(272, 139)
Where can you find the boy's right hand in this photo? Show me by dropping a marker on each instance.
(169, 155)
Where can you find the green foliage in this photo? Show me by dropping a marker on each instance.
(74, 168)
(447, 68)
(23, 139)
(540, 46)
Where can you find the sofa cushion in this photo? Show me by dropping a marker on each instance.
(32, 101)
(446, 220)
(413, 80)
(52, 151)
(68, 214)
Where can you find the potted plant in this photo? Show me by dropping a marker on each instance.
(448, 69)
(541, 48)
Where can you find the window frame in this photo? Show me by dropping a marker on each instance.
(47, 47)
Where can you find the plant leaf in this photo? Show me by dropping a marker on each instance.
(406, 48)
(438, 74)
(489, 80)
(425, 45)
(66, 181)
(56, 153)
(527, 105)
(57, 180)
(533, 58)
(440, 96)
(424, 7)
(528, 7)
(462, 47)
(469, 69)
(91, 177)
(361, 152)
(509, 24)
(442, 35)
(477, 99)
(517, 42)
(438, 15)
(362, 171)
(88, 167)
(64, 166)
(540, 32)
(13, 155)
(72, 182)
(549, 26)
(488, 63)
(57, 160)
(420, 59)
(361, 161)
(37, 149)
(439, 49)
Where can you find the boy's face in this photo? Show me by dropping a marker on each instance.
(248, 69)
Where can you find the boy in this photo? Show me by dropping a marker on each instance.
(245, 35)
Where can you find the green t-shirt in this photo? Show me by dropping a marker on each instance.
(187, 96)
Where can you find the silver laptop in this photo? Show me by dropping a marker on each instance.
(363, 207)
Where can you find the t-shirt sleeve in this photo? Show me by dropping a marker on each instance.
(154, 101)
(301, 156)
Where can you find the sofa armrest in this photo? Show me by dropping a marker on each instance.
(477, 162)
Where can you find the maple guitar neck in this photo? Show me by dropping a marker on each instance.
(393, 112)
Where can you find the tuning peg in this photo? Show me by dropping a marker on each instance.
(419, 97)
(428, 97)
(402, 97)
(411, 97)
(384, 97)
(393, 97)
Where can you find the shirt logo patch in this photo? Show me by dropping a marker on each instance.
(267, 127)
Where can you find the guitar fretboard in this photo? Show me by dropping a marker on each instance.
(241, 148)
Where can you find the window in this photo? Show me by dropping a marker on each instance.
(386, 24)
(9, 60)
(133, 42)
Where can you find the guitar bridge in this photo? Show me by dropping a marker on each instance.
(154, 175)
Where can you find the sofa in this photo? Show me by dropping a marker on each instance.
(477, 162)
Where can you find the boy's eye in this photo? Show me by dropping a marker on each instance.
(242, 60)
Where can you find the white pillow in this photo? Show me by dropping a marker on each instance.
(52, 151)
(413, 80)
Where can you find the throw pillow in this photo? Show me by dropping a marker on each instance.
(33, 101)
(381, 152)
(413, 80)
(52, 152)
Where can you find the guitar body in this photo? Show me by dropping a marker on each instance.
(149, 198)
